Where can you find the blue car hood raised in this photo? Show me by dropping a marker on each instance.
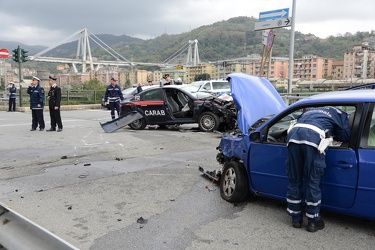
(255, 97)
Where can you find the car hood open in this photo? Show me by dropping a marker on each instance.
(255, 97)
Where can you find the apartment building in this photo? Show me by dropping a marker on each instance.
(312, 67)
(338, 70)
(359, 62)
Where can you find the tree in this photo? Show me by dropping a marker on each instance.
(94, 85)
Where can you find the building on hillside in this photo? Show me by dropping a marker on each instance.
(359, 62)
(312, 67)
(278, 68)
(202, 68)
(338, 70)
(141, 76)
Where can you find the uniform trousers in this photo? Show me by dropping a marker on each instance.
(113, 106)
(37, 118)
(304, 162)
(55, 118)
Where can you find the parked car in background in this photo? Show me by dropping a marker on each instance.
(213, 86)
(253, 160)
(172, 104)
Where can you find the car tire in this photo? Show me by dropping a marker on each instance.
(208, 122)
(234, 185)
(138, 124)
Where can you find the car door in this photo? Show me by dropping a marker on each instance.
(151, 104)
(365, 198)
(268, 170)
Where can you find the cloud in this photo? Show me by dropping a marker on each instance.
(46, 22)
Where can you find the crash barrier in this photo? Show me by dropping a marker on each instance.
(18, 232)
(292, 98)
(68, 97)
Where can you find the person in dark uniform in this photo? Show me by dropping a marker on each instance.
(167, 79)
(113, 95)
(307, 143)
(139, 88)
(54, 101)
(36, 93)
(12, 97)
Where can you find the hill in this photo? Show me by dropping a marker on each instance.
(232, 38)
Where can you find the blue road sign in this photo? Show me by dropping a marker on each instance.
(273, 14)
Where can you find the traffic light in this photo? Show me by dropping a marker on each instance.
(24, 55)
(16, 55)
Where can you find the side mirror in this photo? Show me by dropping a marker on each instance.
(255, 136)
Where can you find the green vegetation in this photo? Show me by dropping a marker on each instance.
(229, 39)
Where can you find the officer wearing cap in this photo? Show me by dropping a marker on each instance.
(36, 93)
(12, 97)
(167, 79)
(54, 101)
(113, 95)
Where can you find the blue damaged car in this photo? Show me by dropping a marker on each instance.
(253, 159)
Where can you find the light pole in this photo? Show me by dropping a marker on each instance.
(291, 48)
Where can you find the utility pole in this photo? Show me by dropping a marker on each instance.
(291, 49)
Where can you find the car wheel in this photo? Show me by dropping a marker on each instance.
(234, 182)
(138, 124)
(208, 122)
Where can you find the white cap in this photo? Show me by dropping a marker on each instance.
(36, 78)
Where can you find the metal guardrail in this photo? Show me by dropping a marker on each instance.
(68, 97)
(20, 233)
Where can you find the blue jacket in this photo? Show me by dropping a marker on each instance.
(36, 96)
(12, 92)
(113, 94)
(332, 121)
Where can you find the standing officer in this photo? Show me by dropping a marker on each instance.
(36, 93)
(167, 79)
(113, 95)
(54, 100)
(12, 97)
(307, 142)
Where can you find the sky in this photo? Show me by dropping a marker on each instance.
(48, 22)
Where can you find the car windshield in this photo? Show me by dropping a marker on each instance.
(191, 88)
(128, 91)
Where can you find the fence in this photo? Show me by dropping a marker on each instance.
(68, 97)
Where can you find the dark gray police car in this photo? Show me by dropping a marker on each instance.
(175, 104)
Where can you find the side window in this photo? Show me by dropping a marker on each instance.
(368, 136)
(220, 85)
(207, 86)
(152, 95)
(278, 132)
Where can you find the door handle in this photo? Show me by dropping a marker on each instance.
(344, 165)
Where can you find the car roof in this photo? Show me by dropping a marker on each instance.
(360, 95)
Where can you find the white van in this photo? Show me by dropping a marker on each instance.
(214, 86)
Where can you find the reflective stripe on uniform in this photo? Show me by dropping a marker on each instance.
(313, 203)
(312, 216)
(293, 201)
(292, 212)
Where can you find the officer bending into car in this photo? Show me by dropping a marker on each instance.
(307, 143)
(113, 95)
